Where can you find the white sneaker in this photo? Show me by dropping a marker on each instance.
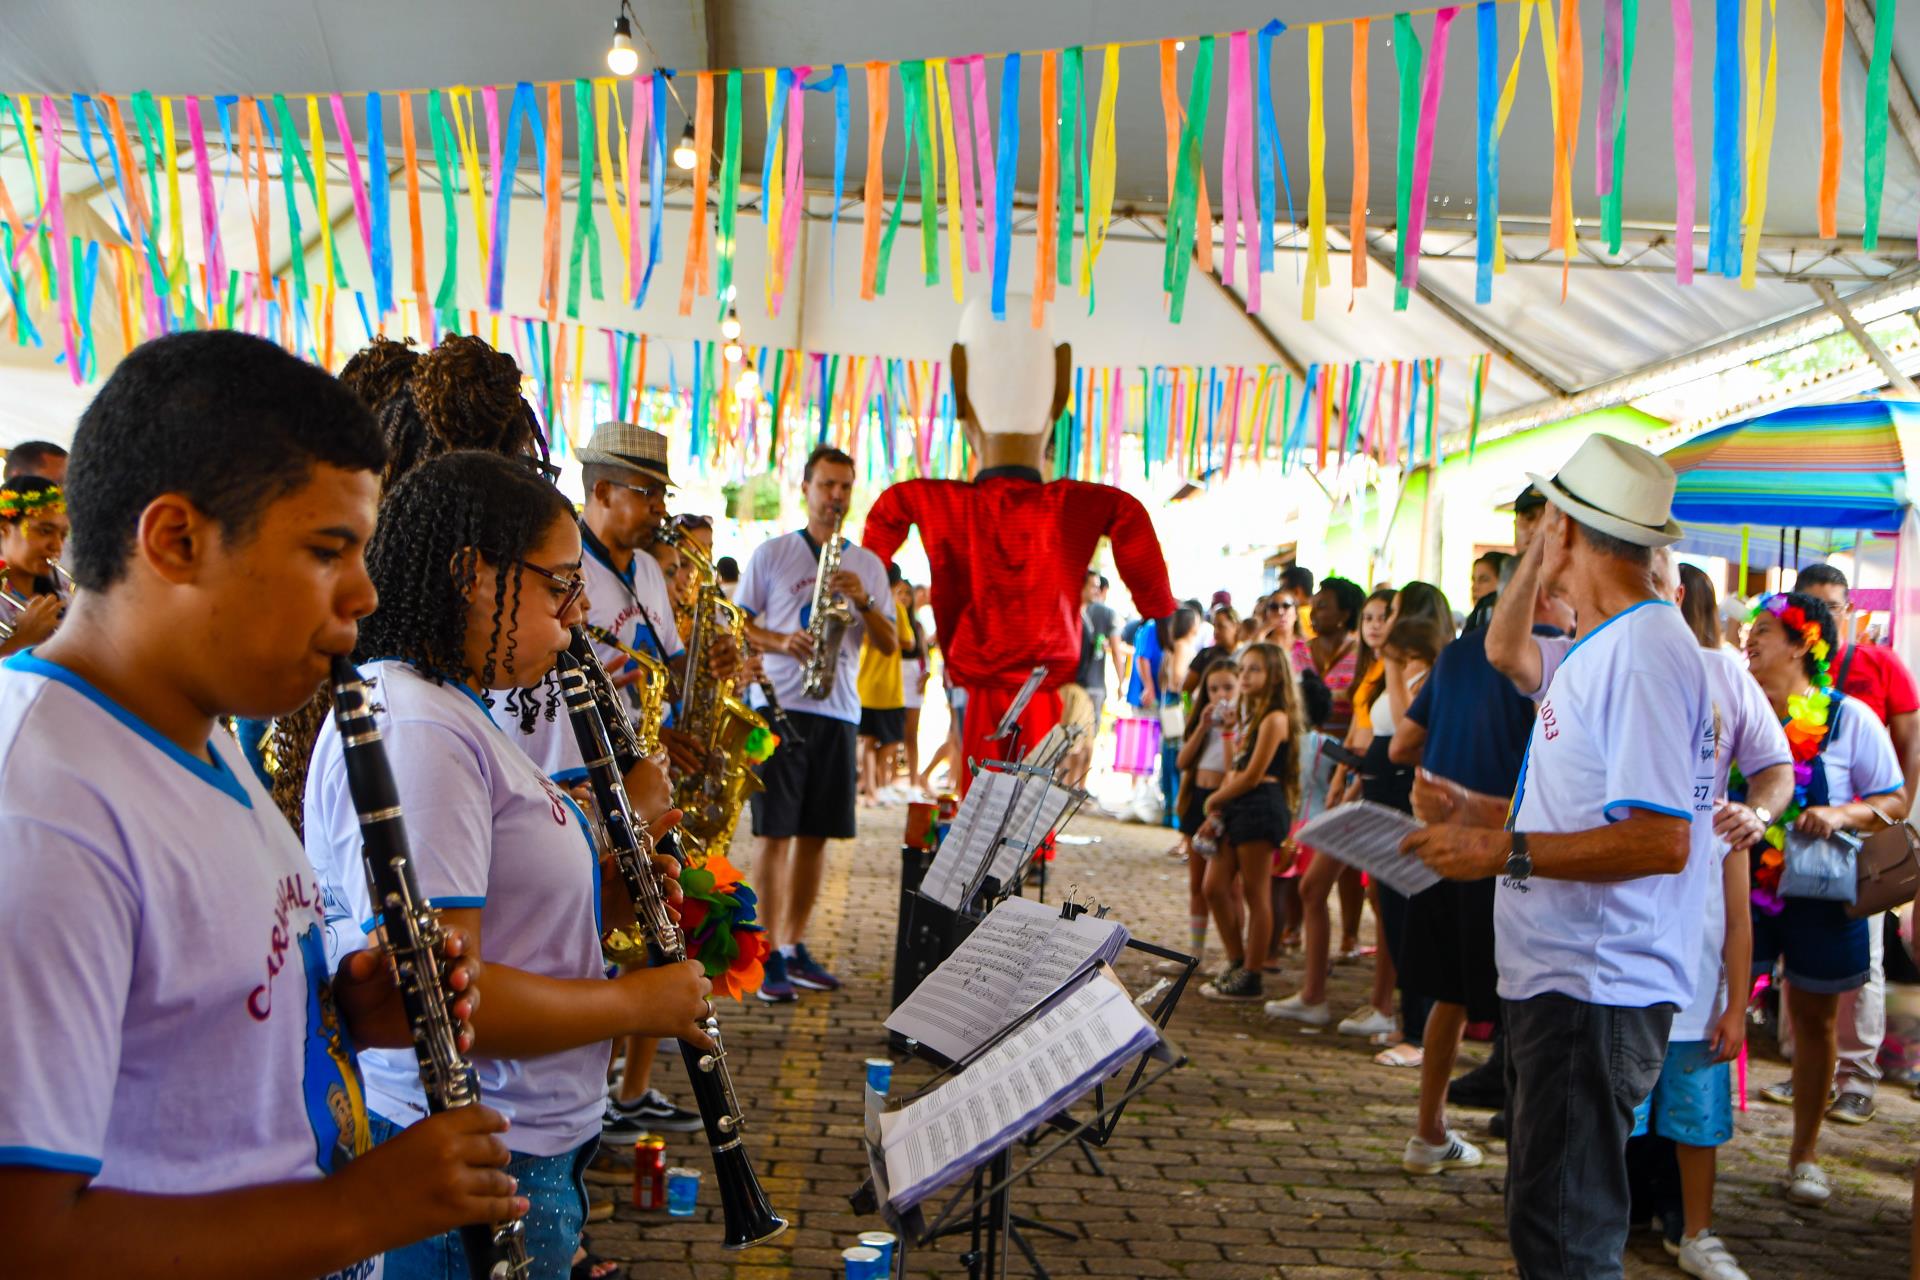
(1455, 1153)
(1705, 1256)
(1807, 1184)
(1294, 1009)
(1368, 1021)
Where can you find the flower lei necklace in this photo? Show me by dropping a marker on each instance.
(15, 505)
(1806, 725)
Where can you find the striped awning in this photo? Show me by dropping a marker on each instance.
(1837, 466)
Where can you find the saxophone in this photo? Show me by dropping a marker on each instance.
(827, 621)
(651, 689)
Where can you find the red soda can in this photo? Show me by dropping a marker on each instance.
(649, 1172)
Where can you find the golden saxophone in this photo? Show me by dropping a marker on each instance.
(651, 689)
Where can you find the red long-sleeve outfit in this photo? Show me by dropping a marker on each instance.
(1009, 555)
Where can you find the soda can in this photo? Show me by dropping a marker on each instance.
(882, 1242)
(649, 1172)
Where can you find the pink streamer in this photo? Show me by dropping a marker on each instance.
(1233, 397)
(957, 81)
(353, 174)
(637, 135)
(796, 198)
(1116, 422)
(983, 146)
(62, 250)
(209, 211)
(1686, 181)
(1236, 175)
(490, 98)
(1605, 121)
(1423, 140)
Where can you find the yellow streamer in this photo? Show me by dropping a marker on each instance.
(616, 192)
(1760, 145)
(937, 70)
(773, 194)
(1506, 109)
(176, 232)
(1318, 271)
(463, 127)
(317, 145)
(579, 379)
(1100, 176)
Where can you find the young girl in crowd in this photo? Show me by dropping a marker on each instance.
(1203, 767)
(1256, 803)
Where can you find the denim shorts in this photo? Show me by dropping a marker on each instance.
(1692, 1101)
(1825, 951)
(557, 1188)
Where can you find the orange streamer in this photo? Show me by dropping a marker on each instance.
(550, 246)
(696, 272)
(873, 204)
(1830, 117)
(1567, 135)
(1357, 203)
(1175, 114)
(1044, 249)
(412, 156)
(253, 159)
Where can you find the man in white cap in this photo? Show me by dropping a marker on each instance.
(1008, 551)
(1607, 858)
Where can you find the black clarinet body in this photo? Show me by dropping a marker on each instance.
(413, 941)
(750, 1219)
(606, 698)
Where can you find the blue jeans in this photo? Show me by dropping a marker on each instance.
(556, 1186)
(1575, 1074)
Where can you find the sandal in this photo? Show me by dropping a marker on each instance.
(591, 1266)
(1401, 1055)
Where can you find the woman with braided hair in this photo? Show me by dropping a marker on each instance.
(477, 562)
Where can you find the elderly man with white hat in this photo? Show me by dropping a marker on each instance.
(1606, 860)
(1008, 550)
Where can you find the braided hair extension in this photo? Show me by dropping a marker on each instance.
(379, 371)
(461, 395)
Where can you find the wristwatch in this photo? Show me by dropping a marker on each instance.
(1763, 813)
(1519, 862)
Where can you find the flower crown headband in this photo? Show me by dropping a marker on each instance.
(1795, 620)
(15, 505)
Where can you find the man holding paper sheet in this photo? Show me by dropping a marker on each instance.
(1598, 915)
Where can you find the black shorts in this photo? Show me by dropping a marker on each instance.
(1260, 814)
(884, 726)
(1447, 954)
(810, 785)
(1195, 814)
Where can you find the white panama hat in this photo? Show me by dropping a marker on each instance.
(1618, 489)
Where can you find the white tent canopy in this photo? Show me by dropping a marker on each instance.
(1623, 316)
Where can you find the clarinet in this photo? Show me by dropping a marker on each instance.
(750, 1220)
(627, 747)
(414, 937)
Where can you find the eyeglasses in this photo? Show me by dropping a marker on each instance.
(647, 491)
(547, 470)
(693, 522)
(575, 585)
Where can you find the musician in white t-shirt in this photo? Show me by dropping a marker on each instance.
(180, 1087)
(810, 784)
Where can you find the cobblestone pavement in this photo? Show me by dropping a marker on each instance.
(1274, 1153)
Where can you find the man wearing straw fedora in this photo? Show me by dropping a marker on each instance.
(1604, 867)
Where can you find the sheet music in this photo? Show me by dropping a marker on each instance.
(969, 841)
(1368, 836)
(1032, 1074)
(1038, 811)
(1021, 954)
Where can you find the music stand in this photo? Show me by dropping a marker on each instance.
(1008, 729)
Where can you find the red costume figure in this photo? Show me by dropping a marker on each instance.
(1009, 553)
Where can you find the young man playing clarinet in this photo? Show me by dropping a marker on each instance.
(809, 796)
(182, 1098)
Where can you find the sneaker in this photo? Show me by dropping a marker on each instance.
(1294, 1009)
(1780, 1092)
(652, 1112)
(1808, 1185)
(1705, 1256)
(1356, 952)
(1455, 1153)
(1235, 984)
(775, 988)
(1484, 1087)
(805, 973)
(1367, 1021)
(1852, 1108)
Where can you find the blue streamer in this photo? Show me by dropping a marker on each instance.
(503, 195)
(366, 321)
(82, 108)
(1724, 179)
(656, 186)
(782, 83)
(837, 82)
(1486, 151)
(1413, 414)
(1272, 147)
(1003, 180)
(382, 205)
(223, 106)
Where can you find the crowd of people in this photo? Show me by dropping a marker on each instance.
(1617, 778)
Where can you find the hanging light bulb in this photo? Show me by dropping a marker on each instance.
(730, 327)
(748, 384)
(622, 58)
(684, 156)
(732, 352)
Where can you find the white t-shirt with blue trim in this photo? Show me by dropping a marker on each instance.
(776, 590)
(1626, 724)
(166, 1021)
(489, 830)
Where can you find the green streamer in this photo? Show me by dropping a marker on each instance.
(729, 189)
(143, 112)
(295, 241)
(1407, 54)
(285, 117)
(1874, 180)
(1433, 403)
(1181, 228)
(1071, 71)
(773, 394)
(929, 178)
(586, 232)
(912, 80)
(1350, 429)
(446, 299)
(1610, 217)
